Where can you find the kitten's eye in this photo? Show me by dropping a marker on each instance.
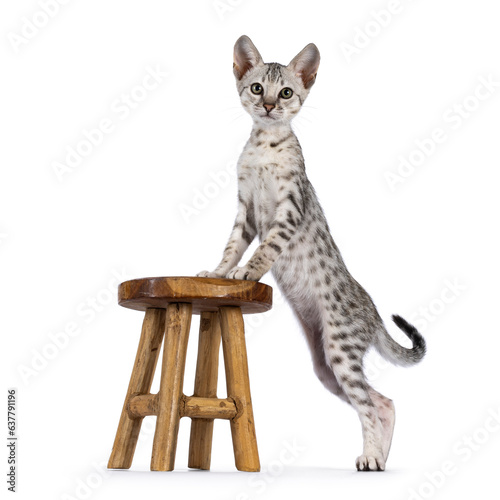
(286, 93)
(256, 88)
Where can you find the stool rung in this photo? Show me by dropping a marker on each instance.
(195, 407)
(142, 405)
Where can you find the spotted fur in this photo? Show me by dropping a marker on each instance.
(278, 204)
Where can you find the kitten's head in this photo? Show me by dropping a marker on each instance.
(270, 92)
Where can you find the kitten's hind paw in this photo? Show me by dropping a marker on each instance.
(370, 463)
(208, 274)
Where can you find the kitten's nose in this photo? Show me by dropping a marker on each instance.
(269, 107)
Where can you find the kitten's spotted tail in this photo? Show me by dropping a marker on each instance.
(396, 353)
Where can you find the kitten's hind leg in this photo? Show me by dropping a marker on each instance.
(387, 417)
(322, 370)
(346, 359)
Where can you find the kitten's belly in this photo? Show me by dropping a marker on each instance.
(295, 285)
(294, 279)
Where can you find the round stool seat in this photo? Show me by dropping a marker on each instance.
(205, 294)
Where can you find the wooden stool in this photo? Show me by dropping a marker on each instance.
(169, 303)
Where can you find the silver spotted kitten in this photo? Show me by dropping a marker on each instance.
(278, 204)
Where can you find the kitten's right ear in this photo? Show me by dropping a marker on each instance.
(246, 56)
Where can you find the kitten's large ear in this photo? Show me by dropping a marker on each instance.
(305, 64)
(246, 56)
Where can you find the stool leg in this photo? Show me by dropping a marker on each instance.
(238, 387)
(178, 322)
(205, 385)
(153, 328)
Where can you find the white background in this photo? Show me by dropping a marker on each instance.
(429, 244)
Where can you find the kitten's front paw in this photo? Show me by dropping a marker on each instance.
(208, 274)
(369, 463)
(243, 273)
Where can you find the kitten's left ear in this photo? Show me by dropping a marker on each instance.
(305, 64)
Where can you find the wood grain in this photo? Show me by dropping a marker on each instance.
(169, 304)
(178, 322)
(238, 388)
(205, 385)
(200, 409)
(143, 405)
(205, 294)
(153, 328)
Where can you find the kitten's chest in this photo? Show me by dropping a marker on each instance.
(266, 163)
(261, 187)
(258, 170)
(258, 186)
